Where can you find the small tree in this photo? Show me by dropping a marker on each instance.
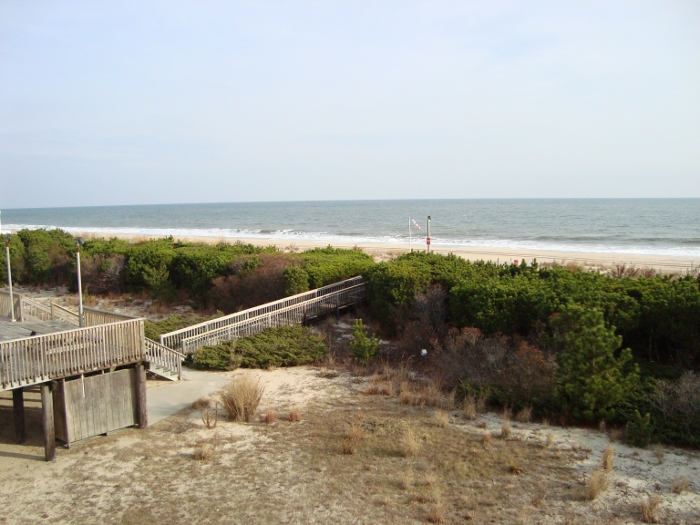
(592, 381)
(362, 345)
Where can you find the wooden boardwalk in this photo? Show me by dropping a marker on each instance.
(296, 309)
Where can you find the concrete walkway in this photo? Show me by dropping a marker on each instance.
(166, 400)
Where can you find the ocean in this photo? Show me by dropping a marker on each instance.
(664, 227)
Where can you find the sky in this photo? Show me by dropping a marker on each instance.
(107, 103)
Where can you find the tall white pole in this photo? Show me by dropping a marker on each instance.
(80, 286)
(9, 277)
(410, 242)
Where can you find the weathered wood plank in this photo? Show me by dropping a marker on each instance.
(47, 420)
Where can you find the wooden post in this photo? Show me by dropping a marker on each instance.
(18, 406)
(47, 422)
(141, 407)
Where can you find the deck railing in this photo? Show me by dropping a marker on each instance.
(164, 357)
(290, 315)
(6, 308)
(174, 339)
(34, 310)
(42, 358)
(64, 315)
(94, 317)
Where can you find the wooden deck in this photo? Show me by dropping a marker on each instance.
(48, 357)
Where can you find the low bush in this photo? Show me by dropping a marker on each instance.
(363, 346)
(282, 346)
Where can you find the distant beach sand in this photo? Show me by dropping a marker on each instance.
(381, 252)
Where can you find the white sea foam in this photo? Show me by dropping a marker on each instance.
(290, 235)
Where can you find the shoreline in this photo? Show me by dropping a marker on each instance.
(386, 251)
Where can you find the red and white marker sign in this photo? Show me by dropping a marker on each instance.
(427, 241)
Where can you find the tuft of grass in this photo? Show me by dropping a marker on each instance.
(487, 439)
(347, 447)
(524, 416)
(407, 397)
(514, 467)
(469, 407)
(659, 452)
(680, 485)
(407, 480)
(294, 416)
(442, 419)
(410, 443)
(481, 402)
(545, 422)
(269, 416)
(607, 461)
(241, 398)
(602, 427)
(550, 440)
(650, 509)
(436, 514)
(203, 451)
(596, 484)
(355, 432)
(205, 415)
(617, 435)
(506, 429)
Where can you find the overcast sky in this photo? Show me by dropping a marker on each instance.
(168, 102)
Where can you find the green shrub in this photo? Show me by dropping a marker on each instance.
(640, 429)
(592, 381)
(363, 346)
(296, 280)
(330, 265)
(281, 346)
(217, 357)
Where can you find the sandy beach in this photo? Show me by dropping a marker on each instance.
(663, 264)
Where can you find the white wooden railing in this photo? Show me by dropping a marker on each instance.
(164, 357)
(64, 315)
(174, 339)
(6, 308)
(94, 317)
(35, 310)
(290, 315)
(43, 358)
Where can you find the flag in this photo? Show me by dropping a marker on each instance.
(416, 224)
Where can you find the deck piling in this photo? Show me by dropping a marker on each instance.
(18, 409)
(48, 422)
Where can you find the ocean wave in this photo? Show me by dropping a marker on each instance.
(688, 248)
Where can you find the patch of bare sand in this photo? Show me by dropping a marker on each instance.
(345, 462)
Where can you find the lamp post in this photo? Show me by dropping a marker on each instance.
(8, 237)
(78, 243)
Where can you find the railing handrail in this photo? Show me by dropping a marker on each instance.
(213, 334)
(36, 359)
(108, 313)
(67, 314)
(163, 356)
(36, 304)
(228, 320)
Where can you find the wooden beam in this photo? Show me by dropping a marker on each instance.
(141, 407)
(47, 422)
(18, 407)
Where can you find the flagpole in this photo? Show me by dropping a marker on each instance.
(410, 245)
